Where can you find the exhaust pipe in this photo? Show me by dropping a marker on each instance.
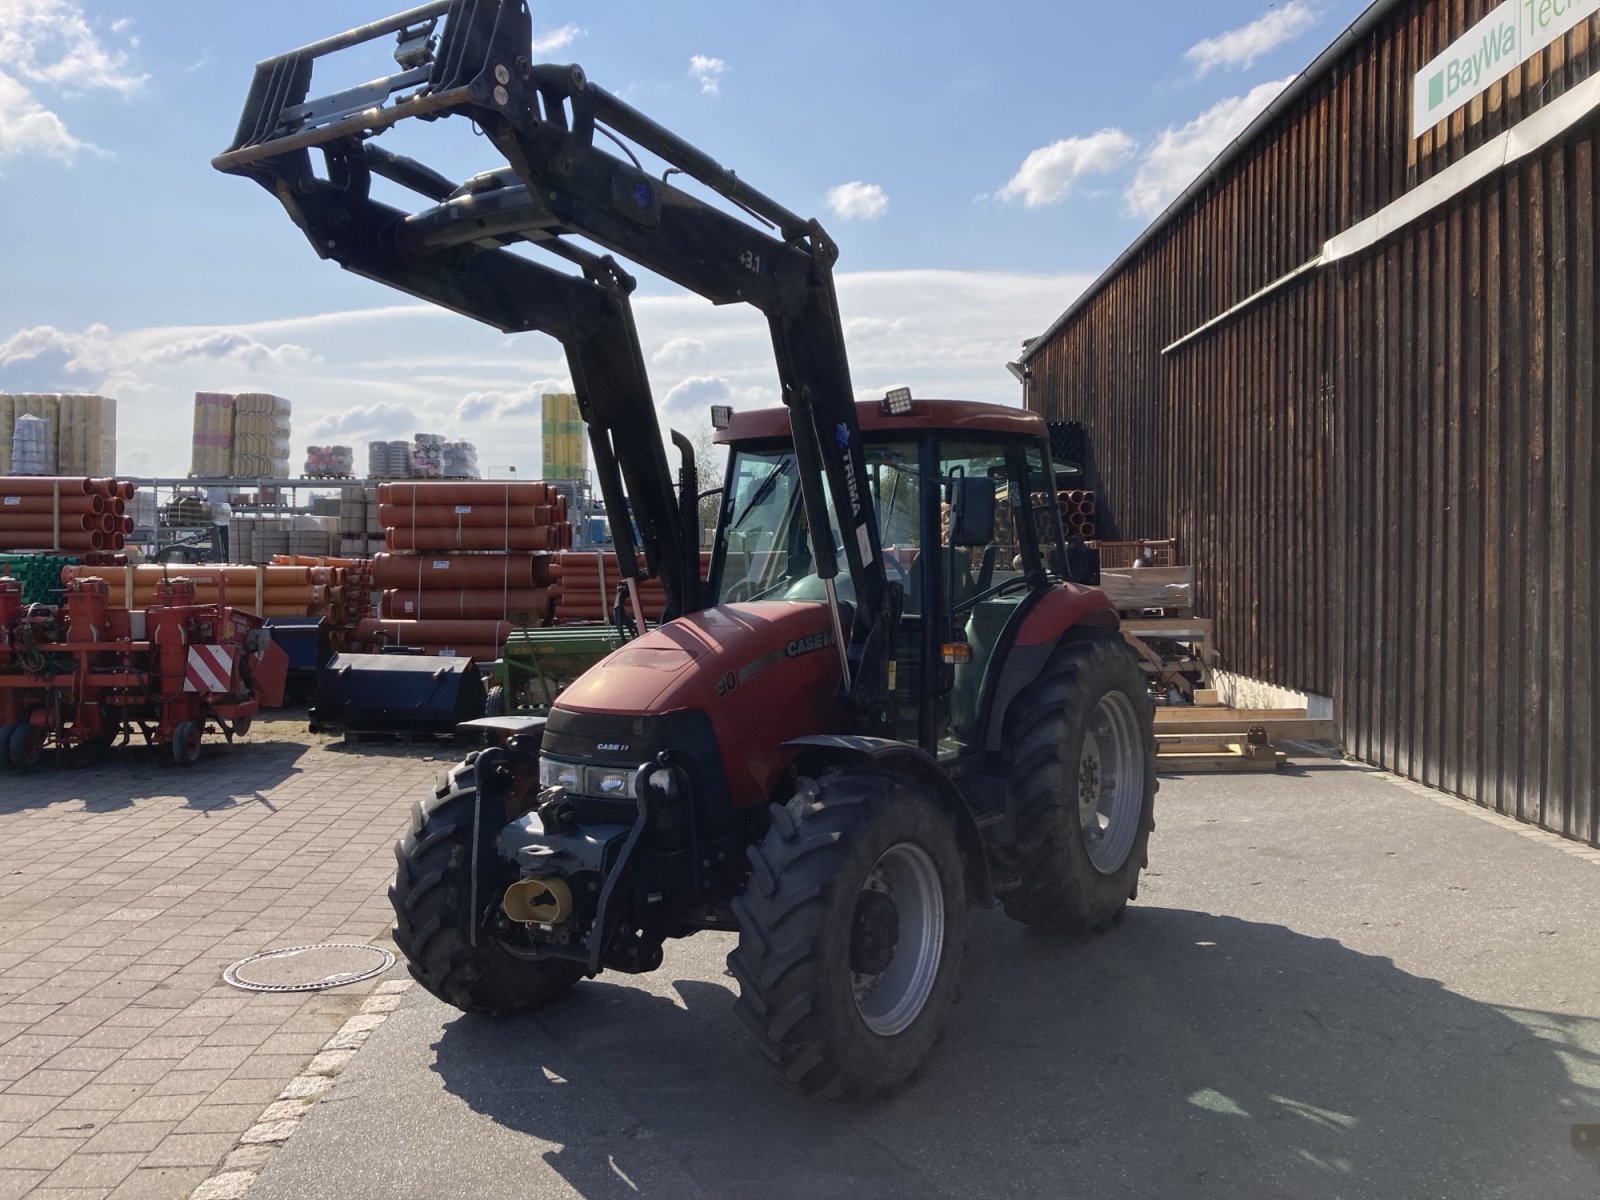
(538, 901)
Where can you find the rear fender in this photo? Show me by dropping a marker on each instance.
(816, 753)
(1042, 624)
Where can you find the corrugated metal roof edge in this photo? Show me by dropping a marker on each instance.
(1302, 83)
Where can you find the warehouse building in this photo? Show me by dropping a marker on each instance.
(1352, 371)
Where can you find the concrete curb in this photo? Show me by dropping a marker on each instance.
(279, 1120)
(1521, 828)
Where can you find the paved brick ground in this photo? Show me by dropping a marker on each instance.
(127, 1068)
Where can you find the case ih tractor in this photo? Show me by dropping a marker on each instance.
(884, 702)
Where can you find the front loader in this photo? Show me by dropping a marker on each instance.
(830, 764)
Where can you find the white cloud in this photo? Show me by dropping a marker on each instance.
(556, 39)
(387, 372)
(50, 43)
(707, 72)
(96, 351)
(1238, 48)
(1048, 174)
(677, 351)
(857, 201)
(27, 127)
(1180, 153)
(381, 421)
(504, 403)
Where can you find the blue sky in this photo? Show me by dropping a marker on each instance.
(978, 167)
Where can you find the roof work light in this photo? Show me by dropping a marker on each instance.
(897, 403)
(721, 416)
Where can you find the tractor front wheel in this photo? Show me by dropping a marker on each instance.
(1082, 787)
(449, 949)
(851, 933)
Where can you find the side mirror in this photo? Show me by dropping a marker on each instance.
(971, 511)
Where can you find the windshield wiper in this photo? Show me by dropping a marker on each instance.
(778, 468)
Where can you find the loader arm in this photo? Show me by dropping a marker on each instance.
(471, 59)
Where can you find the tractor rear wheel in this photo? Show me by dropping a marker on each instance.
(436, 909)
(1082, 787)
(851, 933)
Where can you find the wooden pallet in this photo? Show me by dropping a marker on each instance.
(1181, 755)
(1215, 739)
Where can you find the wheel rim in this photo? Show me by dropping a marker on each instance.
(1110, 782)
(896, 939)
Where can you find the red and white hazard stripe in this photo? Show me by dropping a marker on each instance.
(209, 669)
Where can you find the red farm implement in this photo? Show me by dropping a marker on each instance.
(84, 675)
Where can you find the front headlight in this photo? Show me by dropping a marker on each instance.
(555, 773)
(610, 782)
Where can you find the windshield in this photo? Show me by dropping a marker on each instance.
(767, 555)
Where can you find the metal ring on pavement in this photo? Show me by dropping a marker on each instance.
(235, 977)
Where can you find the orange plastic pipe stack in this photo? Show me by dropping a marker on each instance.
(466, 562)
(64, 513)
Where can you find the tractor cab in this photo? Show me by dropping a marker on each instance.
(967, 516)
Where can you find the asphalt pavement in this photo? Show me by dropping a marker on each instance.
(1330, 987)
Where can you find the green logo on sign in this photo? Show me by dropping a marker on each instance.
(1436, 90)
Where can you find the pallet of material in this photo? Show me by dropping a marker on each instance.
(1134, 589)
(1289, 724)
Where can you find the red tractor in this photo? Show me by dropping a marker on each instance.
(831, 763)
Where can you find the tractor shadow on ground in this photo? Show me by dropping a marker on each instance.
(1183, 1055)
(225, 777)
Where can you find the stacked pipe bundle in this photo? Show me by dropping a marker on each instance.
(82, 437)
(473, 516)
(276, 591)
(64, 513)
(241, 436)
(1078, 518)
(39, 574)
(585, 586)
(462, 604)
(466, 563)
(349, 595)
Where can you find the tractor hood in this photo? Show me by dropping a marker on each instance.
(702, 657)
(762, 673)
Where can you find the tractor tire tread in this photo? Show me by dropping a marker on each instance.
(1057, 892)
(430, 897)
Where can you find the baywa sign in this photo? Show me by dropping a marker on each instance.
(1506, 38)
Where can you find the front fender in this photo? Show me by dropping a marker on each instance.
(820, 751)
(1054, 615)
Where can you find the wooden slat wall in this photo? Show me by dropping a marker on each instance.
(1386, 474)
